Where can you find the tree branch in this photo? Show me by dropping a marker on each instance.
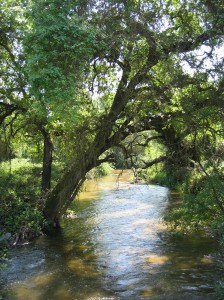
(153, 162)
(148, 140)
(109, 158)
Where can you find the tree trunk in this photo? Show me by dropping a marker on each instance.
(68, 187)
(47, 162)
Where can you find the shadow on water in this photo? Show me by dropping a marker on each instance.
(116, 248)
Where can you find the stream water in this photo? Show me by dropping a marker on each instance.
(116, 247)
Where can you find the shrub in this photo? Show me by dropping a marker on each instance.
(20, 212)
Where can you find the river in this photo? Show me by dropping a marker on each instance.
(116, 247)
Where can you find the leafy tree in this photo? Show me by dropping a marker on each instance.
(146, 38)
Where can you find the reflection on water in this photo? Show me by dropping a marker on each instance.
(116, 248)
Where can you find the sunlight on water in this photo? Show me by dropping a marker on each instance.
(42, 280)
(157, 259)
(24, 293)
(116, 247)
(148, 293)
(78, 267)
(62, 293)
(207, 260)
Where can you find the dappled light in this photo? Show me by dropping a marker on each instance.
(62, 293)
(117, 247)
(80, 268)
(23, 293)
(148, 293)
(45, 279)
(207, 260)
(157, 259)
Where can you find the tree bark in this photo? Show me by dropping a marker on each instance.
(68, 187)
(47, 161)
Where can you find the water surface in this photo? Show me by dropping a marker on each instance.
(116, 247)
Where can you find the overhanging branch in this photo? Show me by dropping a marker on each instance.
(154, 161)
(109, 158)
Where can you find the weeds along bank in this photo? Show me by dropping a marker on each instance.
(200, 201)
(20, 201)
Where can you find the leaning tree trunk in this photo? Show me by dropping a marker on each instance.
(68, 187)
(47, 161)
(63, 194)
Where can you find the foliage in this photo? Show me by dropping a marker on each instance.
(20, 212)
(3, 255)
(219, 289)
(202, 204)
(54, 76)
(100, 171)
